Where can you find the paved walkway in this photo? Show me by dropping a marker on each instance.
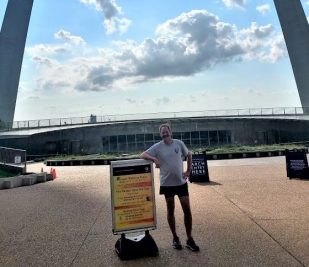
(250, 214)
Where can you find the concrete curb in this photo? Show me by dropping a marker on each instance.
(25, 180)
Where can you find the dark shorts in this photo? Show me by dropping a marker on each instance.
(171, 191)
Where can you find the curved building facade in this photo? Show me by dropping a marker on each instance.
(139, 135)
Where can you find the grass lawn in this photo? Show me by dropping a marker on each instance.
(210, 150)
(257, 148)
(5, 174)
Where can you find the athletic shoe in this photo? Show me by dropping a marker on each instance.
(191, 245)
(177, 243)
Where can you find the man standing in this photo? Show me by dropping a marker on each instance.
(168, 155)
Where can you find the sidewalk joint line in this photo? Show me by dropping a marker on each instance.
(83, 242)
(259, 226)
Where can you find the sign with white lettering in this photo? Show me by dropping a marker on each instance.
(297, 164)
(199, 171)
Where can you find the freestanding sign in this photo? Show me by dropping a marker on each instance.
(297, 164)
(133, 207)
(133, 199)
(199, 172)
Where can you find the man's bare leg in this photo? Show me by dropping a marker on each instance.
(170, 204)
(185, 204)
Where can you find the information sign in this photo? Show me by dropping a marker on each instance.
(199, 172)
(132, 196)
(296, 164)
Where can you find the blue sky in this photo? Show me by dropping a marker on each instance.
(104, 57)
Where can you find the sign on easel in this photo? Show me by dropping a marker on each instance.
(199, 171)
(133, 207)
(133, 196)
(297, 164)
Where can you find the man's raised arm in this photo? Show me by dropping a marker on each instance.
(146, 155)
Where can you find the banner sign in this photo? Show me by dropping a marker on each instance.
(132, 196)
(199, 172)
(296, 164)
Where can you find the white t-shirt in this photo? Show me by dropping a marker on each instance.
(171, 158)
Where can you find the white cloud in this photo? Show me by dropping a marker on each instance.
(44, 62)
(109, 8)
(43, 49)
(67, 36)
(117, 25)
(261, 43)
(162, 101)
(258, 32)
(235, 3)
(113, 15)
(131, 101)
(263, 9)
(184, 46)
(71, 42)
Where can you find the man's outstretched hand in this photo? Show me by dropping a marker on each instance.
(156, 162)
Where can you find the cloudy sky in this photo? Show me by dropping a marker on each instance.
(104, 57)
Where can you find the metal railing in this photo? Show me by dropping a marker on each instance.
(92, 119)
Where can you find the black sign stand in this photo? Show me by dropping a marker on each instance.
(140, 246)
(297, 164)
(199, 171)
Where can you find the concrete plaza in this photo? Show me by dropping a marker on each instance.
(250, 214)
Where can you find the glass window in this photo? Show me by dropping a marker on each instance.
(122, 147)
(213, 138)
(195, 135)
(140, 146)
(185, 136)
(157, 137)
(177, 135)
(204, 134)
(222, 137)
(131, 138)
(113, 143)
(122, 139)
(131, 146)
(195, 142)
(105, 143)
(148, 144)
(140, 138)
(195, 138)
(149, 138)
(229, 137)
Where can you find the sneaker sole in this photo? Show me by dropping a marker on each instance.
(194, 250)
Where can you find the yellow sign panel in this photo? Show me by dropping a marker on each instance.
(132, 196)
